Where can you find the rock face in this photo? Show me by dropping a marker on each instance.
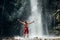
(57, 30)
(57, 18)
(10, 10)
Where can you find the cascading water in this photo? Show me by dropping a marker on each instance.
(35, 29)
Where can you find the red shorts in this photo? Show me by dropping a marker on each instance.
(26, 30)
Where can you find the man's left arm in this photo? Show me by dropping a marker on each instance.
(30, 22)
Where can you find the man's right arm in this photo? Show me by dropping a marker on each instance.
(20, 21)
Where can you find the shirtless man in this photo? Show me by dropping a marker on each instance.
(26, 30)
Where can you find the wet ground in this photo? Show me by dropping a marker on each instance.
(35, 38)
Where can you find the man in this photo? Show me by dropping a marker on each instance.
(25, 23)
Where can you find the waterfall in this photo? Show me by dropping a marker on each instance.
(35, 29)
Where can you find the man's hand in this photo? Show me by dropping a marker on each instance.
(18, 19)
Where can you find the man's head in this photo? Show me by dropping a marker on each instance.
(25, 22)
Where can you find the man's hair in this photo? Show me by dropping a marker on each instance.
(26, 22)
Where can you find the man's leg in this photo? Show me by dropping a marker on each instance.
(26, 36)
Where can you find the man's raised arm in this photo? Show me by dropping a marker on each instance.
(30, 22)
(20, 21)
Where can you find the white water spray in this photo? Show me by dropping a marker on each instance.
(35, 29)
